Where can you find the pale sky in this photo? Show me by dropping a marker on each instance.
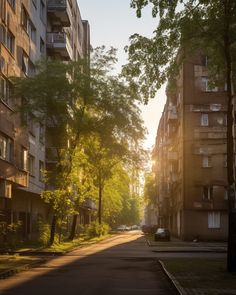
(112, 22)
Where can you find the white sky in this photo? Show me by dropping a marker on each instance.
(112, 22)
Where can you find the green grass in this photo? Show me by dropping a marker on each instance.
(201, 273)
(8, 262)
(14, 261)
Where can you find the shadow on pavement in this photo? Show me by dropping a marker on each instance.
(123, 269)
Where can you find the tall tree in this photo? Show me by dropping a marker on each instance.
(74, 102)
(185, 27)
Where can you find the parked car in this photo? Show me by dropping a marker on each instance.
(149, 229)
(162, 234)
(121, 228)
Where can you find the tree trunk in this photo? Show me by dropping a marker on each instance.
(100, 204)
(73, 227)
(231, 254)
(53, 230)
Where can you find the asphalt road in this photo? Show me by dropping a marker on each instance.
(122, 265)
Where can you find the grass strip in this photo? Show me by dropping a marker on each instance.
(195, 273)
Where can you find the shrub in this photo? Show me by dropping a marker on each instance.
(43, 232)
(94, 229)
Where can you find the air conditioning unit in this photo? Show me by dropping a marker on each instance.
(5, 189)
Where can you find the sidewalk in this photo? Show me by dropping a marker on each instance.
(196, 276)
(176, 245)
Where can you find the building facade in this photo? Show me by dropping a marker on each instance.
(190, 156)
(30, 30)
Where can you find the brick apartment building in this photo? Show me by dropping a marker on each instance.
(190, 157)
(29, 30)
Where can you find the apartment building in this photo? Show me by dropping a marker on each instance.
(29, 30)
(190, 156)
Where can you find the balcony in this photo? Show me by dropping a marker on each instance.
(59, 44)
(59, 12)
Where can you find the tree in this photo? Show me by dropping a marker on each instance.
(75, 103)
(185, 27)
(103, 157)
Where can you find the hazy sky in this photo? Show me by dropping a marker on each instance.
(111, 24)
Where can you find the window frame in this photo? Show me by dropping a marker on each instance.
(214, 220)
(6, 148)
(204, 119)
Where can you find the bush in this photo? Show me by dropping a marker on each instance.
(9, 234)
(94, 229)
(43, 232)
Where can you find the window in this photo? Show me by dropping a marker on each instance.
(28, 25)
(24, 158)
(6, 91)
(204, 120)
(42, 10)
(6, 148)
(25, 64)
(42, 46)
(12, 3)
(10, 42)
(2, 34)
(213, 219)
(206, 161)
(206, 87)
(226, 193)
(41, 170)
(41, 133)
(32, 32)
(205, 60)
(225, 160)
(31, 165)
(207, 193)
(34, 3)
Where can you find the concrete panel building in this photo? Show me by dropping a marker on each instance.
(30, 30)
(190, 156)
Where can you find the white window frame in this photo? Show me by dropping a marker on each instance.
(204, 119)
(6, 148)
(205, 85)
(206, 161)
(214, 219)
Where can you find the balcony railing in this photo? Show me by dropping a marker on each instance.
(60, 43)
(60, 10)
(57, 4)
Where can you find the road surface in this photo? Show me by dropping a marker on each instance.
(121, 265)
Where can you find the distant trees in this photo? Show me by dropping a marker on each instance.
(92, 121)
(186, 27)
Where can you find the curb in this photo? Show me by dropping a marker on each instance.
(189, 251)
(172, 279)
(10, 272)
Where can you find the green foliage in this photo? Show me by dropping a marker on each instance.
(94, 229)
(9, 233)
(184, 28)
(92, 121)
(43, 232)
(150, 189)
